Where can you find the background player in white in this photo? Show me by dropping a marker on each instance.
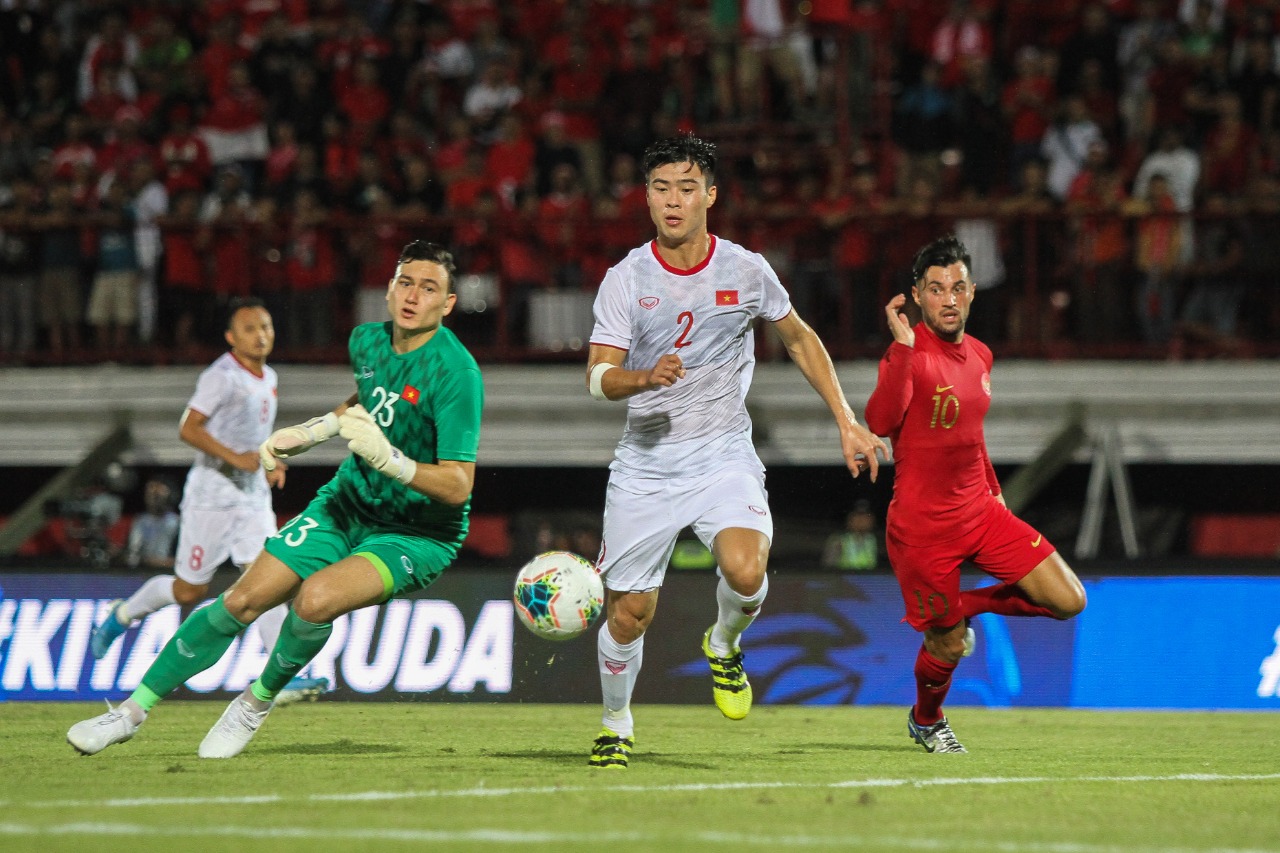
(226, 503)
(673, 336)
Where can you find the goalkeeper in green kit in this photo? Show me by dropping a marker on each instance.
(388, 523)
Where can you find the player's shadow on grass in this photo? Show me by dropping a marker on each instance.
(819, 748)
(560, 757)
(343, 746)
(545, 756)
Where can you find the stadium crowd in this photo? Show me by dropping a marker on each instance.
(1114, 165)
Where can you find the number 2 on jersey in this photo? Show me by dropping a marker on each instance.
(686, 318)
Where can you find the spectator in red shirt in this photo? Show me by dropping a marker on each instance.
(1229, 150)
(340, 54)
(339, 157)
(219, 54)
(184, 156)
(626, 187)
(566, 200)
(1168, 83)
(562, 217)
(364, 101)
(1100, 248)
(75, 148)
(451, 155)
(850, 213)
(576, 91)
(186, 302)
(311, 271)
(125, 144)
(509, 161)
(107, 99)
(228, 214)
(282, 157)
(375, 248)
(1028, 102)
(467, 185)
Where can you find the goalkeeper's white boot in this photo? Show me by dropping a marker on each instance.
(89, 737)
(233, 731)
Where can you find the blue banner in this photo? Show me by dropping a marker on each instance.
(823, 639)
(1192, 642)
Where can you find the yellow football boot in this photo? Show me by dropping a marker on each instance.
(732, 690)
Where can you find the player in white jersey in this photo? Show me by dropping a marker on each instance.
(673, 336)
(226, 509)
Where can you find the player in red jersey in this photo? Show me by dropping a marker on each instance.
(931, 397)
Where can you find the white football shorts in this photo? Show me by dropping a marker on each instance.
(209, 537)
(643, 516)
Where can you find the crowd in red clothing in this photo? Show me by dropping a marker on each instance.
(289, 147)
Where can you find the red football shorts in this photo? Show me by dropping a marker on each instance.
(1001, 544)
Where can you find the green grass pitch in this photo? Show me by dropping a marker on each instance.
(402, 776)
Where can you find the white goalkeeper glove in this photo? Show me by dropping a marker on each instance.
(367, 441)
(293, 440)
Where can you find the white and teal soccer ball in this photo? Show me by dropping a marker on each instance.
(558, 595)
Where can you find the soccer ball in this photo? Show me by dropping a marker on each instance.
(558, 595)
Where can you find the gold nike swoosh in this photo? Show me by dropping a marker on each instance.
(1037, 541)
(938, 389)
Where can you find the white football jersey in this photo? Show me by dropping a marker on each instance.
(704, 315)
(241, 408)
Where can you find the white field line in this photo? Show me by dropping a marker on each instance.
(520, 838)
(483, 791)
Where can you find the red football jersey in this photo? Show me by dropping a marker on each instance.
(930, 400)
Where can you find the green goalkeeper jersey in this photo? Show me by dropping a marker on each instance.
(427, 403)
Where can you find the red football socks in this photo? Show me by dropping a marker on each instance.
(1005, 599)
(933, 680)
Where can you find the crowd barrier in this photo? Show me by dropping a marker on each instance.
(1045, 287)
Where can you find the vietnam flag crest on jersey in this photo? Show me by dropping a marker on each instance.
(726, 297)
(411, 394)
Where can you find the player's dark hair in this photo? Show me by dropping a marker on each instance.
(242, 302)
(424, 250)
(685, 148)
(942, 252)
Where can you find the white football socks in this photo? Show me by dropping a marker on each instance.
(619, 669)
(736, 613)
(155, 594)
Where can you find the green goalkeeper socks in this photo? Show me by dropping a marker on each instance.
(201, 640)
(299, 642)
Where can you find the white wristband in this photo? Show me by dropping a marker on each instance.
(322, 428)
(597, 378)
(408, 470)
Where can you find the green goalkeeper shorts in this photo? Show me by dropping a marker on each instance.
(324, 533)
